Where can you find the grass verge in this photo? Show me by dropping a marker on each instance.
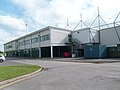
(8, 72)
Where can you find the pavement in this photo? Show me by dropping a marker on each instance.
(78, 59)
(70, 76)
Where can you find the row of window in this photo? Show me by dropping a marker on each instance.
(33, 40)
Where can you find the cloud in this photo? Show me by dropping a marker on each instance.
(12, 22)
(10, 28)
(5, 37)
(41, 13)
(51, 12)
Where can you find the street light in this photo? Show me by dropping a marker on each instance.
(26, 27)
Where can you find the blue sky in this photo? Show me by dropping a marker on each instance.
(6, 7)
(14, 14)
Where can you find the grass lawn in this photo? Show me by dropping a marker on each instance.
(8, 72)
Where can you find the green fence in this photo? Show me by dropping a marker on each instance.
(113, 52)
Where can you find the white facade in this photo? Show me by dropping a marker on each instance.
(109, 36)
(46, 42)
(59, 37)
(86, 35)
(55, 41)
(46, 37)
(52, 36)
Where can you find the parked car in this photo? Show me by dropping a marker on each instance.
(2, 58)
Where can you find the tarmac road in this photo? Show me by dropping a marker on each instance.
(8, 63)
(71, 76)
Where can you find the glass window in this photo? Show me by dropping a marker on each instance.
(45, 37)
(35, 40)
(21, 43)
(9, 45)
(42, 38)
(27, 42)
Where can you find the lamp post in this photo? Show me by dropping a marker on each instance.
(39, 45)
(26, 27)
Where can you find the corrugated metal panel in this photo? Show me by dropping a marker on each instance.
(109, 36)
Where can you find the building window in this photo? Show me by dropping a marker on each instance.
(27, 42)
(9, 46)
(45, 37)
(21, 43)
(35, 40)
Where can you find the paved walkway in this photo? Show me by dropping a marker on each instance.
(80, 59)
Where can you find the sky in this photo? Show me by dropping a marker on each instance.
(37, 14)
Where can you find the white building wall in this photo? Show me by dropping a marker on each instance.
(45, 43)
(109, 37)
(86, 35)
(94, 35)
(59, 37)
(82, 35)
